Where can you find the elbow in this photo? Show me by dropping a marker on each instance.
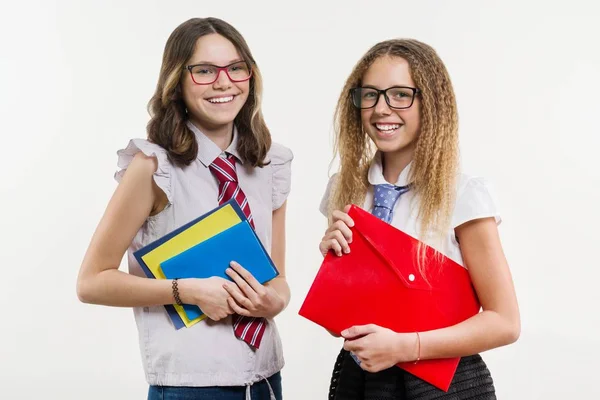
(515, 333)
(84, 291)
(512, 331)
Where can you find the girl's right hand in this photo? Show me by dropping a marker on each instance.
(208, 294)
(338, 235)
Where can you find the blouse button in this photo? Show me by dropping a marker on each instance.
(411, 277)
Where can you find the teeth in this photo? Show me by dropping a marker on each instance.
(221, 99)
(387, 127)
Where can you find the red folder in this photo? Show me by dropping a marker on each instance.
(379, 283)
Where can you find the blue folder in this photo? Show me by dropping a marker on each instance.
(139, 254)
(213, 256)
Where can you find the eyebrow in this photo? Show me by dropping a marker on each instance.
(211, 63)
(375, 87)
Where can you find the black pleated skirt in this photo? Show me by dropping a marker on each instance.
(472, 381)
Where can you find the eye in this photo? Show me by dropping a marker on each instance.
(369, 94)
(202, 70)
(400, 93)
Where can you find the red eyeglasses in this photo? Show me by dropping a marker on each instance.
(205, 74)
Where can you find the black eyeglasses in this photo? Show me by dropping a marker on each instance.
(396, 97)
(205, 74)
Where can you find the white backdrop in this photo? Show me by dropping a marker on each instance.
(75, 78)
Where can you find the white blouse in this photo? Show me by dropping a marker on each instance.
(474, 200)
(207, 353)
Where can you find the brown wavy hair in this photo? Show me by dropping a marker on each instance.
(435, 163)
(167, 126)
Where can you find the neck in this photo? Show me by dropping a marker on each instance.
(221, 135)
(394, 163)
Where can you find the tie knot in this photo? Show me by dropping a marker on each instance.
(386, 195)
(224, 169)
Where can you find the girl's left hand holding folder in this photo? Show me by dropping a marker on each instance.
(380, 348)
(249, 297)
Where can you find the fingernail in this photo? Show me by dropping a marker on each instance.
(346, 251)
(344, 332)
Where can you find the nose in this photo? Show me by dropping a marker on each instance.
(223, 82)
(382, 108)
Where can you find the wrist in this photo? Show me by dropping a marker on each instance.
(417, 357)
(407, 347)
(185, 292)
(275, 308)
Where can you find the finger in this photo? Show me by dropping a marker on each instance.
(341, 226)
(237, 295)
(337, 235)
(215, 317)
(367, 367)
(347, 208)
(229, 309)
(353, 346)
(328, 243)
(359, 331)
(342, 216)
(242, 284)
(236, 308)
(335, 246)
(248, 277)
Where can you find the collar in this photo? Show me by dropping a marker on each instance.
(376, 173)
(208, 151)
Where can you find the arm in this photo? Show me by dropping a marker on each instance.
(497, 325)
(499, 322)
(99, 280)
(278, 255)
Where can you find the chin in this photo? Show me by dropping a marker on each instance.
(390, 146)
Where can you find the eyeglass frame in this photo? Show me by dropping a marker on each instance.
(415, 91)
(219, 69)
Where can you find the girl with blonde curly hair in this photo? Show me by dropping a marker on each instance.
(397, 140)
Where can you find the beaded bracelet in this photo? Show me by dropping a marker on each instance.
(176, 292)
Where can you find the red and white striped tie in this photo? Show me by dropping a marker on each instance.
(249, 329)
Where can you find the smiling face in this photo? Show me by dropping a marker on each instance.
(392, 130)
(213, 107)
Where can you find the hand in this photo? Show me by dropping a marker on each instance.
(380, 348)
(208, 294)
(338, 235)
(248, 297)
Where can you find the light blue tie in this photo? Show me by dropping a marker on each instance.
(384, 199)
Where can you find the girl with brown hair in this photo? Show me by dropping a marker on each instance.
(397, 139)
(207, 143)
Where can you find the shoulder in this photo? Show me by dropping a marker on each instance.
(475, 199)
(326, 199)
(279, 154)
(142, 158)
(280, 158)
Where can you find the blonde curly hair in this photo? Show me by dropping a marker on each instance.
(435, 163)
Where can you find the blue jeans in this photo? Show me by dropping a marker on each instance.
(258, 391)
